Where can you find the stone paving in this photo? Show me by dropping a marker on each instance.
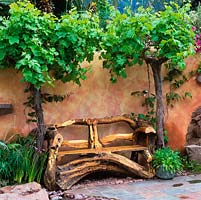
(181, 187)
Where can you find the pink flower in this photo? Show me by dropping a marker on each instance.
(193, 28)
(198, 50)
(198, 43)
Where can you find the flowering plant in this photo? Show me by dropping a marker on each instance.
(196, 21)
(198, 42)
(197, 39)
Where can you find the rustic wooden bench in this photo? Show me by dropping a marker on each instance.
(71, 160)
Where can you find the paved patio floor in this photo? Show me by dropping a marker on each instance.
(181, 187)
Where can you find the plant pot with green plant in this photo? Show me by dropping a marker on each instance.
(166, 163)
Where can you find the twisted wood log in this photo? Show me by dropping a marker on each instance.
(105, 120)
(50, 172)
(72, 172)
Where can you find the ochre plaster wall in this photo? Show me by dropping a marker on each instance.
(98, 97)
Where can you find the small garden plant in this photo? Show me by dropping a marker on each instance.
(20, 161)
(167, 158)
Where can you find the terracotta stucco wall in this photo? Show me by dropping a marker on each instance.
(178, 118)
(98, 97)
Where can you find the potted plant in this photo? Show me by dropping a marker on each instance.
(166, 162)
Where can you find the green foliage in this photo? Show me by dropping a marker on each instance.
(78, 4)
(169, 159)
(172, 97)
(172, 73)
(45, 48)
(199, 69)
(196, 18)
(190, 165)
(133, 37)
(176, 78)
(166, 139)
(24, 42)
(45, 98)
(103, 9)
(149, 103)
(20, 162)
(76, 38)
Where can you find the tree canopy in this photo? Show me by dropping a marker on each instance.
(134, 37)
(153, 37)
(45, 48)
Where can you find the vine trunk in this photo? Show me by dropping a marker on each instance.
(156, 68)
(39, 116)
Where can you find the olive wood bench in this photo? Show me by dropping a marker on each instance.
(98, 154)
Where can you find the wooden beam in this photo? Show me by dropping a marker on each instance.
(97, 143)
(81, 144)
(105, 120)
(103, 150)
(114, 137)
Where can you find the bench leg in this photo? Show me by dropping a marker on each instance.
(143, 158)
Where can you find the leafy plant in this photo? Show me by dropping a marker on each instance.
(172, 97)
(153, 37)
(167, 158)
(45, 98)
(198, 43)
(4, 7)
(176, 79)
(196, 17)
(190, 165)
(196, 20)
(198, 70)
(166, 139)
(103, 10)
(21, 162)
(149, 103)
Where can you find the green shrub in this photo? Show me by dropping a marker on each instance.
(169, 159)
(21, 162)
(190, 165)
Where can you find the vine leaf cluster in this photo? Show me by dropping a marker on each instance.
(149, 103)
(45, 98)
(176, 79)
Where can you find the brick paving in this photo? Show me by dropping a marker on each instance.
(181, 187)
